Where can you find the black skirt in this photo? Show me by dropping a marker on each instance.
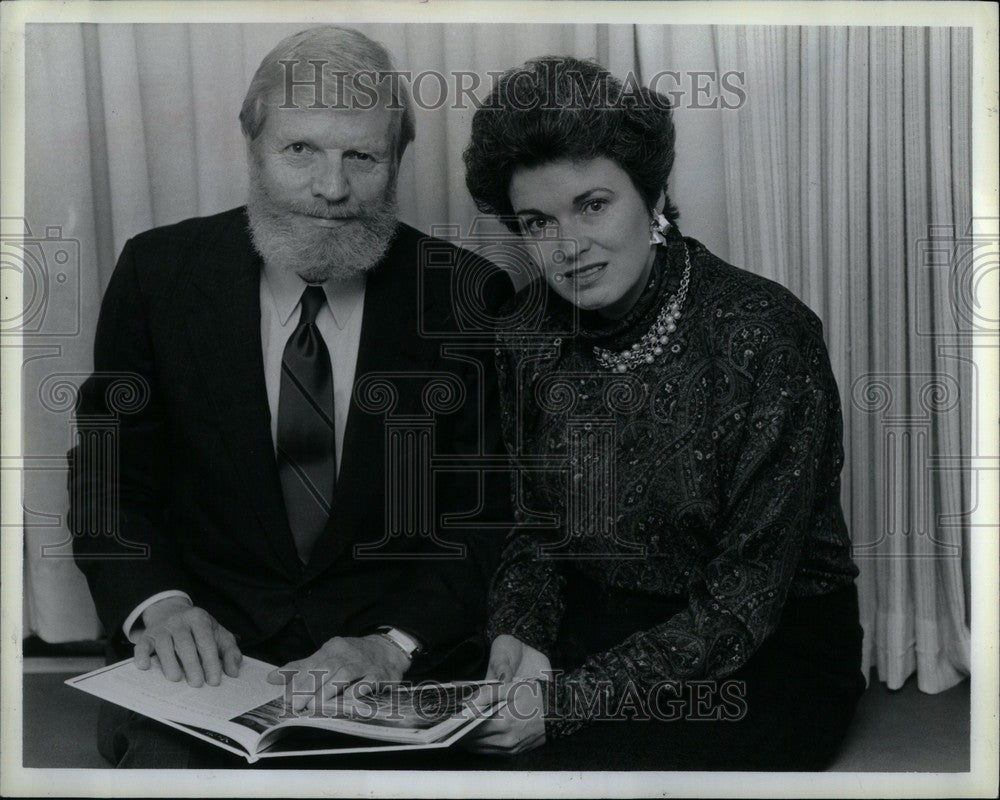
(787, 708)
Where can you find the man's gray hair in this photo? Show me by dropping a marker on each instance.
(344, 53)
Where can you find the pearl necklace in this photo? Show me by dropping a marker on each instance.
(651, 344)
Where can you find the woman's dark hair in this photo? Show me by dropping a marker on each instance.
(559, 107)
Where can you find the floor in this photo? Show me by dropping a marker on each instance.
(908, 731)
(901, 731)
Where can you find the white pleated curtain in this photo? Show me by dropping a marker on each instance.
(133, 126)
(848, 173)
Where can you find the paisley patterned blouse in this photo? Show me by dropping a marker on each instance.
(711, 475)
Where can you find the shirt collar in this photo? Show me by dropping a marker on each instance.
(285, 289)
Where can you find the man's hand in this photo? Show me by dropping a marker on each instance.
(518, 726)
(339, 663)
(511, 658)
(188, 643)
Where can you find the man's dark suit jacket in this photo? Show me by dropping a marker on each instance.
(198, 481)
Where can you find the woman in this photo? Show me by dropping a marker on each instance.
(679, 592)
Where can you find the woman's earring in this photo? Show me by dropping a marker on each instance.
(658, 226)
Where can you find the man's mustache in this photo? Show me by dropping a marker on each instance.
(324, 211)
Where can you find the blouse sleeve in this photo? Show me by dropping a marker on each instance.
(788, 458)
(526, 593)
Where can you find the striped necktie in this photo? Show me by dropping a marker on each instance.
(307, 455)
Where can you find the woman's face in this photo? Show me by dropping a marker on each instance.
(591, 229)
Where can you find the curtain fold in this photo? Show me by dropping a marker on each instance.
(847, 166)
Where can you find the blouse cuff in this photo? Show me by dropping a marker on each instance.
(533, 638)
(561, 718)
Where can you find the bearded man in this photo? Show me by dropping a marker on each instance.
(275, 351)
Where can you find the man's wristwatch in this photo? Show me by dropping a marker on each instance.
(403, 641)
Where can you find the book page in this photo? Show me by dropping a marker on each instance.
(150, 693)
(315, 745)
(251, 712)
(423, 713)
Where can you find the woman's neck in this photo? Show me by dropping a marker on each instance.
(627, 302)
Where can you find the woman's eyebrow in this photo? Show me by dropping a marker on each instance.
(576, 200)
(585, 195)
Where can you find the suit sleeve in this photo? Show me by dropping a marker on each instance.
(441, 599)
(119, 468)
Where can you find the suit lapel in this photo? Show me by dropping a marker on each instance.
(224, 327)
(389, 344)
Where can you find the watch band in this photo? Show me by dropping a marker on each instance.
(401, 640)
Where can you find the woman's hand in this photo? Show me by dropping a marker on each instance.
(520, 725)
(511, 658)
(515, 728)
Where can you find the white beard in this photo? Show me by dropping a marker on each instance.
(286, 241)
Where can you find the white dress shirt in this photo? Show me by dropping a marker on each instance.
(339, 323)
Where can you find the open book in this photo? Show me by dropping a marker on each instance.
(248, 716)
